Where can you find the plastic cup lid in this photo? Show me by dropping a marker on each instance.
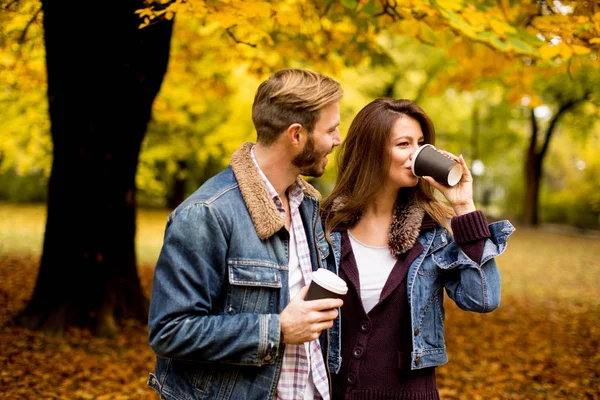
(330, 281)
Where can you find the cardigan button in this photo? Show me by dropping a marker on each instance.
(351, 378)
(268, 357)
(417, 331)
(365, 326)
(357, 352)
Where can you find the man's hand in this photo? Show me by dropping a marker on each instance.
(302, 321)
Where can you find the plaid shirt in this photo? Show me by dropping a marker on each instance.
(295, 369)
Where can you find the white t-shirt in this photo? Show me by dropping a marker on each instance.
(374, 265)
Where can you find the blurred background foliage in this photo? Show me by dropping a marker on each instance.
(488, 72)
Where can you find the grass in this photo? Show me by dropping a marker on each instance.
(542, 343)
(22, 231)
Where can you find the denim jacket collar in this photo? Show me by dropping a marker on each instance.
(265, 217)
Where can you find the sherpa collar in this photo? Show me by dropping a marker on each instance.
(265, 216)
(408, 220)
(405, 226)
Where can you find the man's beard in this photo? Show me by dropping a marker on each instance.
(309, 161)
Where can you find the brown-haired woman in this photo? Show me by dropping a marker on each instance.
(393, 243)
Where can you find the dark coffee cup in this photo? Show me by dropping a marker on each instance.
(428, 161)
(325, 285)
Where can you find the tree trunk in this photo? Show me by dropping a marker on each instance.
(178, 189)
(535, 159)
(533, 174)
(103, 76)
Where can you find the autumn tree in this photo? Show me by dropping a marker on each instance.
(564, 94)
(103, 75)
(568, 38)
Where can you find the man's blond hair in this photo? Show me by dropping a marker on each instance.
(289, 96)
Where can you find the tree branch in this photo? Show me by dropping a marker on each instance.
(534, 134)
(563, 108)
(232, 35)
(528, 20)
(7, 6)
(327, 7)
(548, 6)
(24, 33)
(389, 8)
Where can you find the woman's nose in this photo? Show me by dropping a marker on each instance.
(415, 148)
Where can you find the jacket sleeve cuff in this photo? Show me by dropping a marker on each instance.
(269, 338)
(470, 227)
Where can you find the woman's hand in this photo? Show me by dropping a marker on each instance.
(460, 196)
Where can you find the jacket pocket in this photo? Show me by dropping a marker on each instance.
(189, 380)
(253, 273)
(253, 286)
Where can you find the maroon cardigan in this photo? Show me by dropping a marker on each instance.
(376, 347)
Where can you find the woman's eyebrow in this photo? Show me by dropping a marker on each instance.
(408, 137)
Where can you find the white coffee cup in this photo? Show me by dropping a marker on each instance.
(325, 284)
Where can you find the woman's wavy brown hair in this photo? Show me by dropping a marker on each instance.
(365, 158)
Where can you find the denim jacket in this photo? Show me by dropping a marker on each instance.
(220, 283)
(441, 264)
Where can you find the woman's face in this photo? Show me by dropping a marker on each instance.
(406, 137)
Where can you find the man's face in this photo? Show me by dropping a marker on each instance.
(320, 143)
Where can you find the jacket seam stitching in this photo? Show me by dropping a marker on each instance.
(219, 194)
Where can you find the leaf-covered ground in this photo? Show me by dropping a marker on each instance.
(542, 343)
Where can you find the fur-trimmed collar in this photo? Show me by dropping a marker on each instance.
(265, 216)
(407, 220)
(405, 226)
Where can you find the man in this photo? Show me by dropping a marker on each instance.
(237, 250)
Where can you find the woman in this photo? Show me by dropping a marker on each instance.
(398, 245)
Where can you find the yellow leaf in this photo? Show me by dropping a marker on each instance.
(565, 51)
(454, 5)
(477, 20)
(224, 18)
(258, 10)
(596, 19)
(580, 50)
(427, 34)
(549, 51)
(459, 23)
(286, 18)
(594, 40)
(410, 28)
(501, 27)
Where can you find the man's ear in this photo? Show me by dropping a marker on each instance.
(296, 135)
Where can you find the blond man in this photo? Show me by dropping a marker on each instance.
(228, 319)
